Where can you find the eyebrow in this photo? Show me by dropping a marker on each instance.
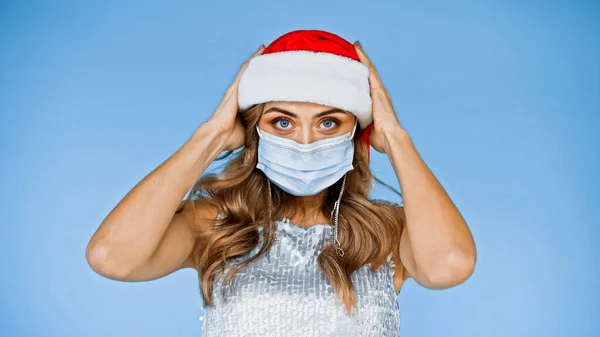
(291, 114)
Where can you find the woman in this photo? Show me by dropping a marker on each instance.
(285, 240)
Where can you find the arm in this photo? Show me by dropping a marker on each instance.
(142, 238)
(175, 247)
(436, 246)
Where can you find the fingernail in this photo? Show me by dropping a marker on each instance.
(358, 44)
(261, 47)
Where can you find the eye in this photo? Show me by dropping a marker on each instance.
(329, 124)
(281, 123)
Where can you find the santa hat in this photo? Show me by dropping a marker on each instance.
(310, 66)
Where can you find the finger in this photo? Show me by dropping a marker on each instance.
(243, 68)
(260, 50)
(238, 77)
(234, 85)
(374, 78)
(362, 55)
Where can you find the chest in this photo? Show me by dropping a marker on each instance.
(285, 293)
(290, 270)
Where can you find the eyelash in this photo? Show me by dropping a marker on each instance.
(276, 120)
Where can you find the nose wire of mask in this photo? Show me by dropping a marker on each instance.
(263, 134)
(304, 147)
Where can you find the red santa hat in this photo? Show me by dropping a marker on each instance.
(310, 66)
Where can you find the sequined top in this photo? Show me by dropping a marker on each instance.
(285, 293)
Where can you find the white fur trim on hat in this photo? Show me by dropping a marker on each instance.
(306, 76)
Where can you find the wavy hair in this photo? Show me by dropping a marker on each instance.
(368, 229)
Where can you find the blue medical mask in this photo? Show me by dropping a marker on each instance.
(305, 169)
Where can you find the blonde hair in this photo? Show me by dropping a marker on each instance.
(369, 230)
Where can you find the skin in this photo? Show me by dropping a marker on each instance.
(143, 239)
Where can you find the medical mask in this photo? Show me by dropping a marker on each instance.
(305, 169)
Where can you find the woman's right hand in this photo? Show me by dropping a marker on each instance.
(225, 116)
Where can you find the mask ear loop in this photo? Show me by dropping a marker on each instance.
(269, 219)
(354, 130)
(336, 208)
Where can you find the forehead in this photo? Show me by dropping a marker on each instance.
(298, 106)
(304, 107)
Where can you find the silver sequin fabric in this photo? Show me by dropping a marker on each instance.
(285, 293)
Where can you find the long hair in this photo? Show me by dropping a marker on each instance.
(368, 230)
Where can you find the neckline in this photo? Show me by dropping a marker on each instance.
(306, 228)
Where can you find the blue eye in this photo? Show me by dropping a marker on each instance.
(328, 123)
(283, 123)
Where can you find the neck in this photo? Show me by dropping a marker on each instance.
(308, 209)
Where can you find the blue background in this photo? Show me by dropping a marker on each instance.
(501, 99)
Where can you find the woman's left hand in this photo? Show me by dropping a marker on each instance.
(384, 116)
